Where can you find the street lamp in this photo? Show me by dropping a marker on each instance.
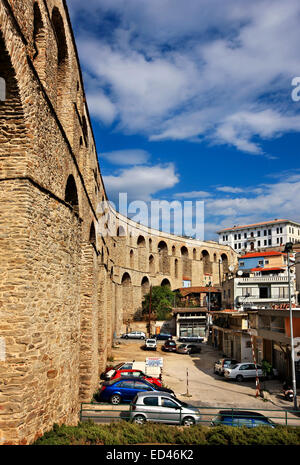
(289, 248)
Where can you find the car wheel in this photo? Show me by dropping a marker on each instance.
(142, 337)
(126, 337)
(139, 419)
(188, 421)
(239, 378)
(115, 399)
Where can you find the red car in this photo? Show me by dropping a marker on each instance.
(169, 346)
(136, 373)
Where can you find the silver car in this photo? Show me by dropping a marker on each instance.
(134, 335)
(241, 371)
(162, 407)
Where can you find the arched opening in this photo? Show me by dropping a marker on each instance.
(131, 259)
(224, 259)
(150, 245)
(62, 56)
(186, 264)
(145, 286)
(92, 238)
(207, 266)
(127, 297)
(173, 250)
(141, 244)
(166, 282)
(215, 257)
(121, 232)
(39, 42)
(164, 265)
(11, 113)
(176, 268)
(194, 254)
(151, 265)
(71, 196)
(85, 130)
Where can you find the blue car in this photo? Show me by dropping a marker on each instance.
(125, 389)
(241, 418)
(162, 336)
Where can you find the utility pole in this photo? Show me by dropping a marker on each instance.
(150, 303)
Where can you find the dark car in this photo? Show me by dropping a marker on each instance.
(188, 349)
(241, 418)
(125, 389)
(169, 346)
(111, 368)
(162, 336)
(191, 339)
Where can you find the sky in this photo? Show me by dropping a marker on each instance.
(196, 100)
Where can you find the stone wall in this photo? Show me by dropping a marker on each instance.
(65, 286)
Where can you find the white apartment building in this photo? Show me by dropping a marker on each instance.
(260, 235)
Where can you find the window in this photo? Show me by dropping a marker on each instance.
(239, 236)
(269, 232)
(265, 232)
(242, 263)
(280, 230)
(266, 262)
(235, 246)
(235, 237)
(140, 385)
(245, 235)
(127, 384)
(151, 401)
(246, 291)
(258, 233)
(168, 403)
(265, 242)
(283, 292)
(260, 262)
(258, 243)
(239, 245)
(277, 230)
(277, 240)
(270, 242)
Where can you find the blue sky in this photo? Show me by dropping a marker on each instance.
(192, 100)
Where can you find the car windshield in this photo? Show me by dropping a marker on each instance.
(233, 367)
(151, 340)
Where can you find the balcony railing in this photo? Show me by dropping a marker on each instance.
(264, 279)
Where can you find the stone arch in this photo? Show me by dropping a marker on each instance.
(165, 282)
(121, 232)
(131, 258)
(71, 195)
(62, 57)
(39, 42)
(176, 268)
(207, 265)
(92, 236)
(225, 264)
(145, 286)
(141, 244)
(164, 264)
(186, 263)
(127, 296)
(151, 264)
(12, 113)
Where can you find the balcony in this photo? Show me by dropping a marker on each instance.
(263, 300)
(264, 279)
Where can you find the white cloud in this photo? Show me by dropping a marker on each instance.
(233, 190)
(141, 182)
(126, 157)
(206, 76)
(193, 195)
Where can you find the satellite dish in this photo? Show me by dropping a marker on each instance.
(231, 268)
(240, 272)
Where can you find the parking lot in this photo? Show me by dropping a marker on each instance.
(193, 380)
(204, 387)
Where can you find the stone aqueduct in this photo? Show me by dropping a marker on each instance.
(64, 290)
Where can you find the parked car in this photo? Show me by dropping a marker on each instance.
(191, 339)
(110, 369)
(241, 371)
(162, 336)
(134, 335)
(169, 346)
(150, 344)
(188, 349)
(163, 408)
(241, 418)
(223, 363)
(137, 374)
(125, 389)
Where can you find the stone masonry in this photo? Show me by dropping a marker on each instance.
(65, 288)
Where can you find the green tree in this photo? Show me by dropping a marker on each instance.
(162, 301)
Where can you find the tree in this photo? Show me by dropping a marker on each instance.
(162, 301)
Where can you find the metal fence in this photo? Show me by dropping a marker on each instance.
(106, 413)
